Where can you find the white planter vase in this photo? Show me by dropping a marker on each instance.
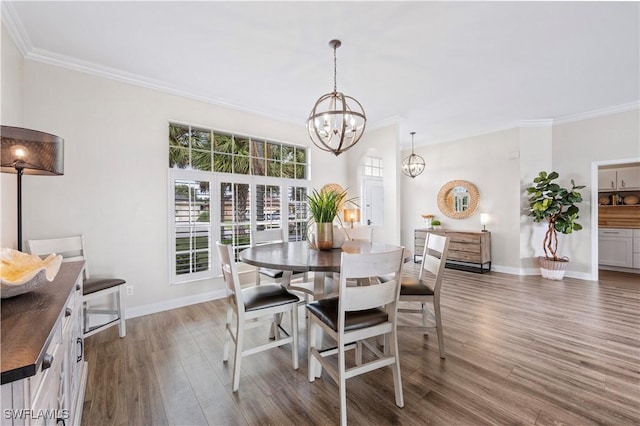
(339, 236)
(551, 269)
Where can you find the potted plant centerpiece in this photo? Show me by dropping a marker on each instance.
(324, 207)
(551, 203)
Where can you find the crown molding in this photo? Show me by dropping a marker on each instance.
(86, 67)
(598, 113)
(537, 123)
(15, 28)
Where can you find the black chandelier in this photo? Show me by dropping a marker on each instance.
(413, 165)
(337, 121)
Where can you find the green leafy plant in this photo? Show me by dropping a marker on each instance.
(324, 206)
(436, 222)
(556, 205)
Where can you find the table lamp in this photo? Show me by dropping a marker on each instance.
(484, 219)
(25, 151)
(352, 215)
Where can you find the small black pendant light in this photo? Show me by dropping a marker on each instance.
(413, 165)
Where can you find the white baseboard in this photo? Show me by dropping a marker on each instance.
(507, 270)
(620, 269)
(166, 305)
(536, 271)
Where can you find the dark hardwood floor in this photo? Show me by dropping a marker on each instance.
(520, 350)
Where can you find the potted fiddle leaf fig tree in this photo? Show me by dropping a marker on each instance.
(555, 205)
(324, 207)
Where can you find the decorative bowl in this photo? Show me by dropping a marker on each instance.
(21, 272)
(604, 201)
(631, 200)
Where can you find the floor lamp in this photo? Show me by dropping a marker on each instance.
(30, 152)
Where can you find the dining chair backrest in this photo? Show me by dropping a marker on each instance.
(266, 236)
(434, 260)
(355, 266)
(230, 274)
(360, 233)
(70, 248)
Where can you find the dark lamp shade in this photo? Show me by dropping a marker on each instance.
(36, 153)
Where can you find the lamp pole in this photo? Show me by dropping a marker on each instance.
(20, 170)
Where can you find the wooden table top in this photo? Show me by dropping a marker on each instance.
(28, 319)
(297, 256)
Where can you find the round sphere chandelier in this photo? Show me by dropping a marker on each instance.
(337, 121)
(413, 165)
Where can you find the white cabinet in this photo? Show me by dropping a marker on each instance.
(615, 247)
(607, 180)
(628, 178)
(46, 383)
(619, 179)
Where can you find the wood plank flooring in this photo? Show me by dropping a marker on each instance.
(520, 350)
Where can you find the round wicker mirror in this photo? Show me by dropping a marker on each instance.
(458, 199)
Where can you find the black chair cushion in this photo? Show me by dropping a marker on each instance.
(414, 287)
(273, 273)
(327, 311)
(266, 296)
(93, 285)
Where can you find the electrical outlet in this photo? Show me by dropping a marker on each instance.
(129, 290)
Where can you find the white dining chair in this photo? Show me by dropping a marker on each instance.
(356, 315)
(73, 248)
(360, 233)
(268, 236)
(254, 306)
(425, 289)
(298, 281)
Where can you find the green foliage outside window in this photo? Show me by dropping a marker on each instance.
(208, 150)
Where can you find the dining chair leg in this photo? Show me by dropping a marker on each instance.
(311, 360)
(359, 352)
(227, 335)
(397, 378)
(122, 330)
(294, 331)
(439, 329)
(342, 385)
(425, 313)
(238, 356)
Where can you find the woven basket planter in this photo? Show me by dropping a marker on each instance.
(552, 269)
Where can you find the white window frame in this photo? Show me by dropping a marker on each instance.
(215, 179)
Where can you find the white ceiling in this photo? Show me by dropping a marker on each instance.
(443, 69)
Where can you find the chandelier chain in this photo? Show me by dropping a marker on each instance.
(335, 68)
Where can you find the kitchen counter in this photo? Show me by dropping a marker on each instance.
(28, 321)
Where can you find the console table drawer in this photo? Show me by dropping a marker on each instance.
(456, 246)
(467, 250)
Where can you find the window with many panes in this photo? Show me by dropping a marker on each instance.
(372, 166)
(223, 186)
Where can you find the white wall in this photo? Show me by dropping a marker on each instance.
(536, 144)
(576, 146)
(503, 164)
(487, 162)
(114, 190)
(10, 115)
(382, 143)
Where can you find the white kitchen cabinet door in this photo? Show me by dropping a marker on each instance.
(607, 180)
(628, 178)
(615, 251)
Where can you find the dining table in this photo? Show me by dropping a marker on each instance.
(298, 256)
